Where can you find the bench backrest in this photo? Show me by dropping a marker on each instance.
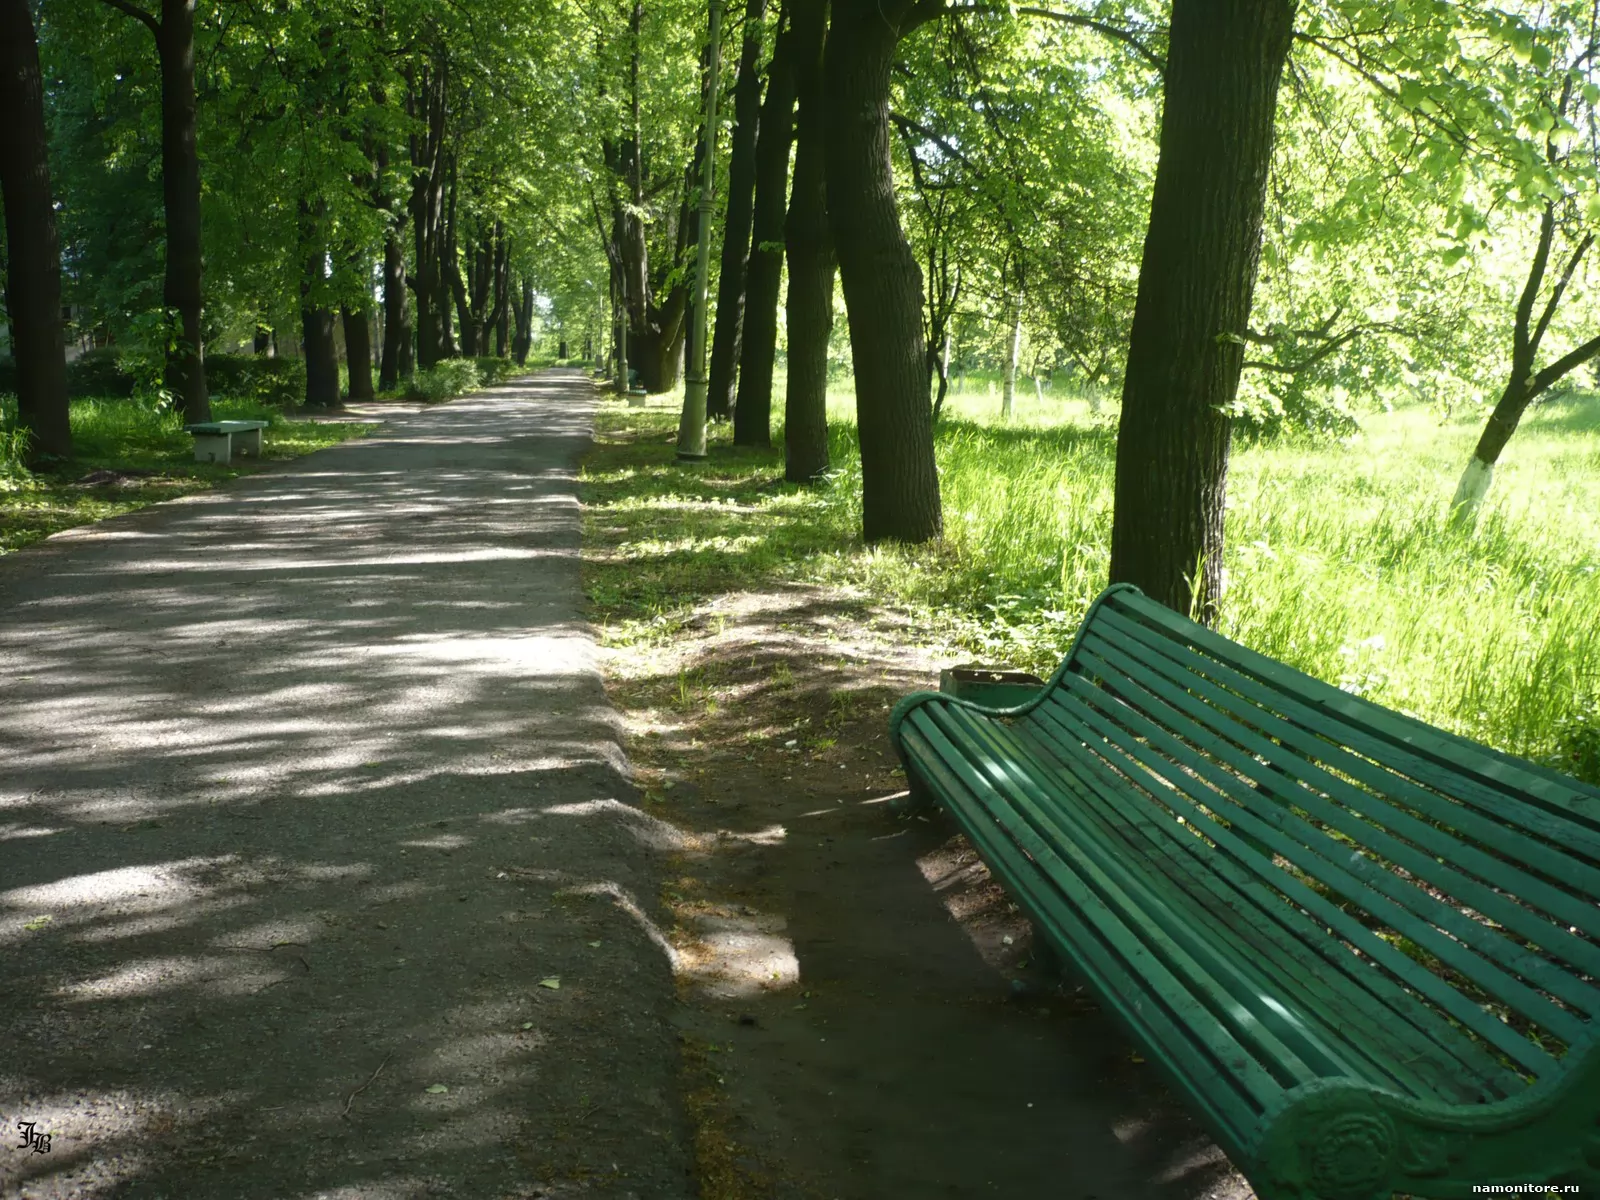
(1463, 875)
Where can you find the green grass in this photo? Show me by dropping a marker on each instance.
(1339, 558)
(152, 456)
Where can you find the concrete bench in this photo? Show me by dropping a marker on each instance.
(215, 441)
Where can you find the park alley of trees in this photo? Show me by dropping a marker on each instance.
(1249, 217)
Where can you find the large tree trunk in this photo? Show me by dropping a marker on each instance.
(180, 190)
(523, 341)
(1195, 286)
(396, 312)
(322, 358)
(752, 410)
(882, 283)
(810, 251)
(425, 102)
(33, 267)
(358, 351)
(736, 229)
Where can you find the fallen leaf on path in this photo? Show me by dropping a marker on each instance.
(437, 1089)
(594, 943)
(553, 983)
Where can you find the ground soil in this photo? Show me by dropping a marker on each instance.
(862, 1018)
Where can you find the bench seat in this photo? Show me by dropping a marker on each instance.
(1366, 950)
(216, 441)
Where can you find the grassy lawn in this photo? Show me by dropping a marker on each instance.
(128, 456)
(1339, 558)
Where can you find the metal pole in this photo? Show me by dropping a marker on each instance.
(692, 426)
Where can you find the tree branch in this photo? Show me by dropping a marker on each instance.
(1521, 346)
(1570, 361)
(1127, 37)
(137, 13)
(1555, 294)
(907, 125)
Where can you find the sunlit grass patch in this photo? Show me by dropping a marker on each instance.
(1339, 559)
(128, 455)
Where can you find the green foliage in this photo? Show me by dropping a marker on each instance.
(444, 381)
(257, 378)
(129, 454)
(1340, 562)
(101, 372)
(491, 369)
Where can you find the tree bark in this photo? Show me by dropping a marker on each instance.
(809, 246)
(396, 312)
(752, 410)
(180, 190)
(725, 342)
(33, 267)
(1525, 384)
(1195, 287)
(322, 360)
(1008, 397)
(358, 350)
(882, 282)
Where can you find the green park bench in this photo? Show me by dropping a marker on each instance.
(216, 441)
(1364, 949)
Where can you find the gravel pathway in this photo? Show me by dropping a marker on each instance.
(320, 870)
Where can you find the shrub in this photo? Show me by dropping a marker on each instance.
(100, 372)
(443, 381)
(280, 382)
(491, 370)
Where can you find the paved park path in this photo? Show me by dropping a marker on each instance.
(320, 874)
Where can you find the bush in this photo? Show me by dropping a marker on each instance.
(100, 373)
(443, 381)
(491, 370)
(279, 382)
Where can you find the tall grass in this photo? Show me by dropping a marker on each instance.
(1339, 559)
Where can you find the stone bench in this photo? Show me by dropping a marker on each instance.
(216, 441)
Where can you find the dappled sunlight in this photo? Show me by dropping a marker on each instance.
(298, 779)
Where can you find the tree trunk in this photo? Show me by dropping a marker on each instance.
(1008, 398)
(943, 367)
(322, 359)
(523, 341)
(752, 410)
(1525, 384)
(882, 283)
(358, 351)
(33, 266)
(729, 333)
(180, 190)
(810, 253)
(1195, 286)
(396, 312)
(501, 320)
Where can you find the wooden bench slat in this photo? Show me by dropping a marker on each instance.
(1356, 986)
(1458, 756)
(1559, 831)
(1283, 1042)
(1111, 831)
(1412, 975)
(1331, 863)
(1365, 826)
(1171, 1039)
(1364, 948)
